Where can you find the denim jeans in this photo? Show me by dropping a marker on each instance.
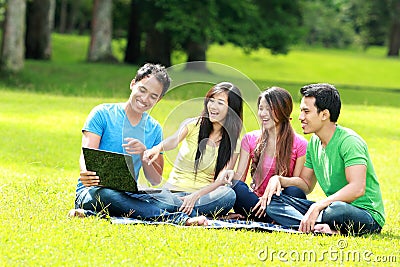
(123, 204)
(346, 218)
(246, 199)
(218, 202)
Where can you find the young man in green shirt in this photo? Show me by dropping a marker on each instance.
(338, 159)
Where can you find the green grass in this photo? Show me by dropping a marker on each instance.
(349, 68)
(43, 109)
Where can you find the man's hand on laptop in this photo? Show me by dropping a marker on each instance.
(89, 178)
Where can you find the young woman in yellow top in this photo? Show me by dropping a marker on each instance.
(209, 146)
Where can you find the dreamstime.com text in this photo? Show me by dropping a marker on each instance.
(336, 253)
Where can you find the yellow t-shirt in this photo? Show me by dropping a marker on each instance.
(182, 176)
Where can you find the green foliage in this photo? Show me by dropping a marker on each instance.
(187, 21)
(371, 21)
(341, 23)
(279, 27)
(247, 24)
(77, 17)
(120, 15)
(2, 10)
(327, 23)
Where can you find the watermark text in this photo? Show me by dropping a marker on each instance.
(336, 253)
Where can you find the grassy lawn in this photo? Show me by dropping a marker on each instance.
(43, 109)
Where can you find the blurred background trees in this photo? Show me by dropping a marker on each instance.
(153, 29)
(39, 25)
(12, 45)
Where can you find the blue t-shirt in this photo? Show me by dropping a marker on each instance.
(111, 123)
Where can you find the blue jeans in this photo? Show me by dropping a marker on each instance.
(346, 218)
(218, 202)
(123, 204)
(246, 199)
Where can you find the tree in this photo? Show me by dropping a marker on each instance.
(277, 23)
(190, 26)
(13, 45)
(192, 30)
(2, 11)
(133, 49)
(370, 21)
(378, 23)
(158, 43)
(63, 16)
(101, 32)
(330, 23)
(40, 19)
(250, 24)
(394, 31)
(158, 47)
(73, 16)
(164, 26)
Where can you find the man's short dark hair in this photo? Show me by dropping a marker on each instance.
(156, 70)
(326, 97)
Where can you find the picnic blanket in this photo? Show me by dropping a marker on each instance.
(214, 224)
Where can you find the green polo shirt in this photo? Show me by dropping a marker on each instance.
(346, 148)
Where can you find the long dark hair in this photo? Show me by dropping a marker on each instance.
(280, 103)
(230, 130)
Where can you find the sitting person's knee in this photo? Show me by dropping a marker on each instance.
(224, 190)
(335, 209)
(238, 183)
(338, 205)
(294, 192)
(228, 192)
(241, 188)
(222, 193)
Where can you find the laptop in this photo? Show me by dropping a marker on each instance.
(116, 170)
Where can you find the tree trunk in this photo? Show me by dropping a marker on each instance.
(394, 40)
(39, 28)
(101, 32)
(394, 34)
(196, 52)
(158, 48)
(13, 45)
(132, 51)
(73, 16)
(63, 16)
(52, 13)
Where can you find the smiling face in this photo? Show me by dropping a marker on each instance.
(217, 107)
(311, 120)
(145, 94)
(265, 115)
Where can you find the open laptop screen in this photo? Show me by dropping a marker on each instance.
(115, 170)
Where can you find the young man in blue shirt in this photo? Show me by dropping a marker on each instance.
(127, 128)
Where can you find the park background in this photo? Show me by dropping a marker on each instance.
(46, 96)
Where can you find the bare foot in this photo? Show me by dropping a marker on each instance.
(232, 216)
(200, 220)
(80, 213)
(325, 229)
